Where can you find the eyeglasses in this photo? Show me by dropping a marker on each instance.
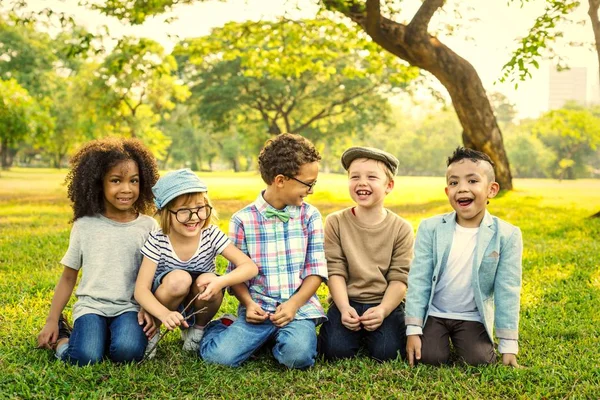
(183, 215)
(310, 186)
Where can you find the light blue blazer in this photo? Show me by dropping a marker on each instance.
(496, 272)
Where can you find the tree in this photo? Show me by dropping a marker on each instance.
(17, 111)
(414, 43)
(312, 77)
(574, 135)
(134, 86)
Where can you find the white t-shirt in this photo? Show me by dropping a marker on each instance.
(454, 297)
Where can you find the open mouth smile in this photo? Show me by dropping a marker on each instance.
(464, 202)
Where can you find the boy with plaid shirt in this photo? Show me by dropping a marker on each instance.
(283, 235)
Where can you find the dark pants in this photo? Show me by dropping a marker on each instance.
(469, 338)
(337, 342)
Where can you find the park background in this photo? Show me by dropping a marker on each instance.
(205, 84)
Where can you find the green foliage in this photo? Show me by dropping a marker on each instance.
(559, 327)
(312, 77)
(135, 86)
(19, 117)
(574, 136)
(538, 42)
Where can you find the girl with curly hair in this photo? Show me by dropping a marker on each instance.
(110, 187)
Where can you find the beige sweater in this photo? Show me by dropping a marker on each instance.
(368, 257)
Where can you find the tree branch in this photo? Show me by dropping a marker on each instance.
(417, 28)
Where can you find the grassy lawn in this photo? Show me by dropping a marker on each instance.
(560, 321)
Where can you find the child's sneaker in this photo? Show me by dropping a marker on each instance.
(227, 319)
(64, 329)
(191, 338)
(150, 352)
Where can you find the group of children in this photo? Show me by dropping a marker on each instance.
(461, 284)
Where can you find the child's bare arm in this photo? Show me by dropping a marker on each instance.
(143, 294)
(254, 313)
(245, 270)
(62, 293)
(286, 312)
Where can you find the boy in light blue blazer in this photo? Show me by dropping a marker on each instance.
(465, 279)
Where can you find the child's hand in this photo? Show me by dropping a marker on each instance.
(209, 285)
(350, 318)
(284, 314)
(173, 319)
(145, 319)
(510, 360)
(413, 349)
(373, 318)
(48, 336)
(255, 314)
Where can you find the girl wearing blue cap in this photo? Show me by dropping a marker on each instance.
(180, 259)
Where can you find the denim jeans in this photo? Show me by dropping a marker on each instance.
(337, 342)
(121, 338)
(295, 344)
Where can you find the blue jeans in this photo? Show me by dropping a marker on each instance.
(337, 342)
(121, 338)
(295, 343)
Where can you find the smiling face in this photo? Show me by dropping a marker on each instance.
(367, 182)
(121, 188)
(293, 190)
(198, 204)
(469, 186)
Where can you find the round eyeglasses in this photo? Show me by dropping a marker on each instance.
(184, 215)
(310, 186)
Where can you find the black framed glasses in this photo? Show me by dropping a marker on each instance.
(310, 186)
(183, 215)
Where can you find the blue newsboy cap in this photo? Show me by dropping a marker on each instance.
(176, 183)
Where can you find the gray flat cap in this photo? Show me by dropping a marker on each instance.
(371, 153)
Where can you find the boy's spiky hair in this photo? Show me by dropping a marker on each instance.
(90, 164)
(462, 153)
(284, 155)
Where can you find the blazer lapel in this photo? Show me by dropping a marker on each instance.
(486, 232)
(444, 235)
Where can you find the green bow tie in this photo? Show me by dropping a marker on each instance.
(283, 215)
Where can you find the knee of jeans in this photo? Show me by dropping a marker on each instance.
(213, 354)
(332, 350)
(296, 355)
(127, 351)
(86, 357)
(384, 354)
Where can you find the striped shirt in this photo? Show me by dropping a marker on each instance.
(158, 248)
(285, 253)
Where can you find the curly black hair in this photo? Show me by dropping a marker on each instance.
(284, 155)
(94, 160)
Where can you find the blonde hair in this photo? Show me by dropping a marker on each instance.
(165, 215)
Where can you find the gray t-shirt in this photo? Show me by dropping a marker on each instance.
(108, 252)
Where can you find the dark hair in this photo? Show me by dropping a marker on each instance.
(90, 164)
(462, 153)
(284, 155)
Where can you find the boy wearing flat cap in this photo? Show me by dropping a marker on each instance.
(369, 250)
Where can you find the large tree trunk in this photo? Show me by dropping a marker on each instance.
(415, 45)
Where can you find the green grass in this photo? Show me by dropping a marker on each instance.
(560, 321)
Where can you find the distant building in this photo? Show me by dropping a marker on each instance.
(568, 85)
